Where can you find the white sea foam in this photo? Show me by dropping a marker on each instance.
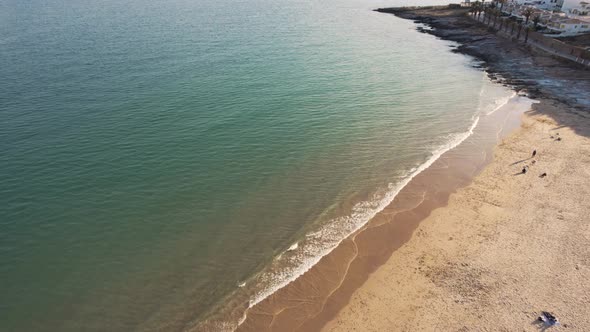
(242, 319)
(501, 102)
(293, 247)
(321, 242)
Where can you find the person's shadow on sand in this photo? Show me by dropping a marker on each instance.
(520, 161)
(541, 325)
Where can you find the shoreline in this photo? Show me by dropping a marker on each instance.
(474, 264)
(282, 310)
(452, 143)
(504, 248)
(312, 299)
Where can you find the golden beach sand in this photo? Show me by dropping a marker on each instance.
(504, 248)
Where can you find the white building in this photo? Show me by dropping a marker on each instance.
(570, 26)
(577, 6)
(541, 4)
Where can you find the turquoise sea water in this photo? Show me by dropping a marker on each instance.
(155, 156)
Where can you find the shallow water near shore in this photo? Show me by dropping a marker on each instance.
(314, 299)
(166, 165)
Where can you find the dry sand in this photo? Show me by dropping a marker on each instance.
(505, 248)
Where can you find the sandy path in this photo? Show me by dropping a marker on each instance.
(505, 248)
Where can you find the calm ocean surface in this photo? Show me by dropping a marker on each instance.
(164, 161)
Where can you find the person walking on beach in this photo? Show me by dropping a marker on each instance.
(534, 153)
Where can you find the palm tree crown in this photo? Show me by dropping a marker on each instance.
(527, 13)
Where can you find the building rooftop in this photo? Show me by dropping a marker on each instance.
(572, 21)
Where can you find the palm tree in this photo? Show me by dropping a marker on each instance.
(526, 37)
(480, 9)
(473, 10)
(502, 2)
(496, 15)
(527, 13)
(536, 20)
(489, 13)
(476, 8)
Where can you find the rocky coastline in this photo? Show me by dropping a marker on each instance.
(513, 63)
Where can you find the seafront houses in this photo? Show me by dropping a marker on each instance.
(582, 9)
(569, 26)
(540, 4)
(546, 16)
(573, 20)
(577, 7)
